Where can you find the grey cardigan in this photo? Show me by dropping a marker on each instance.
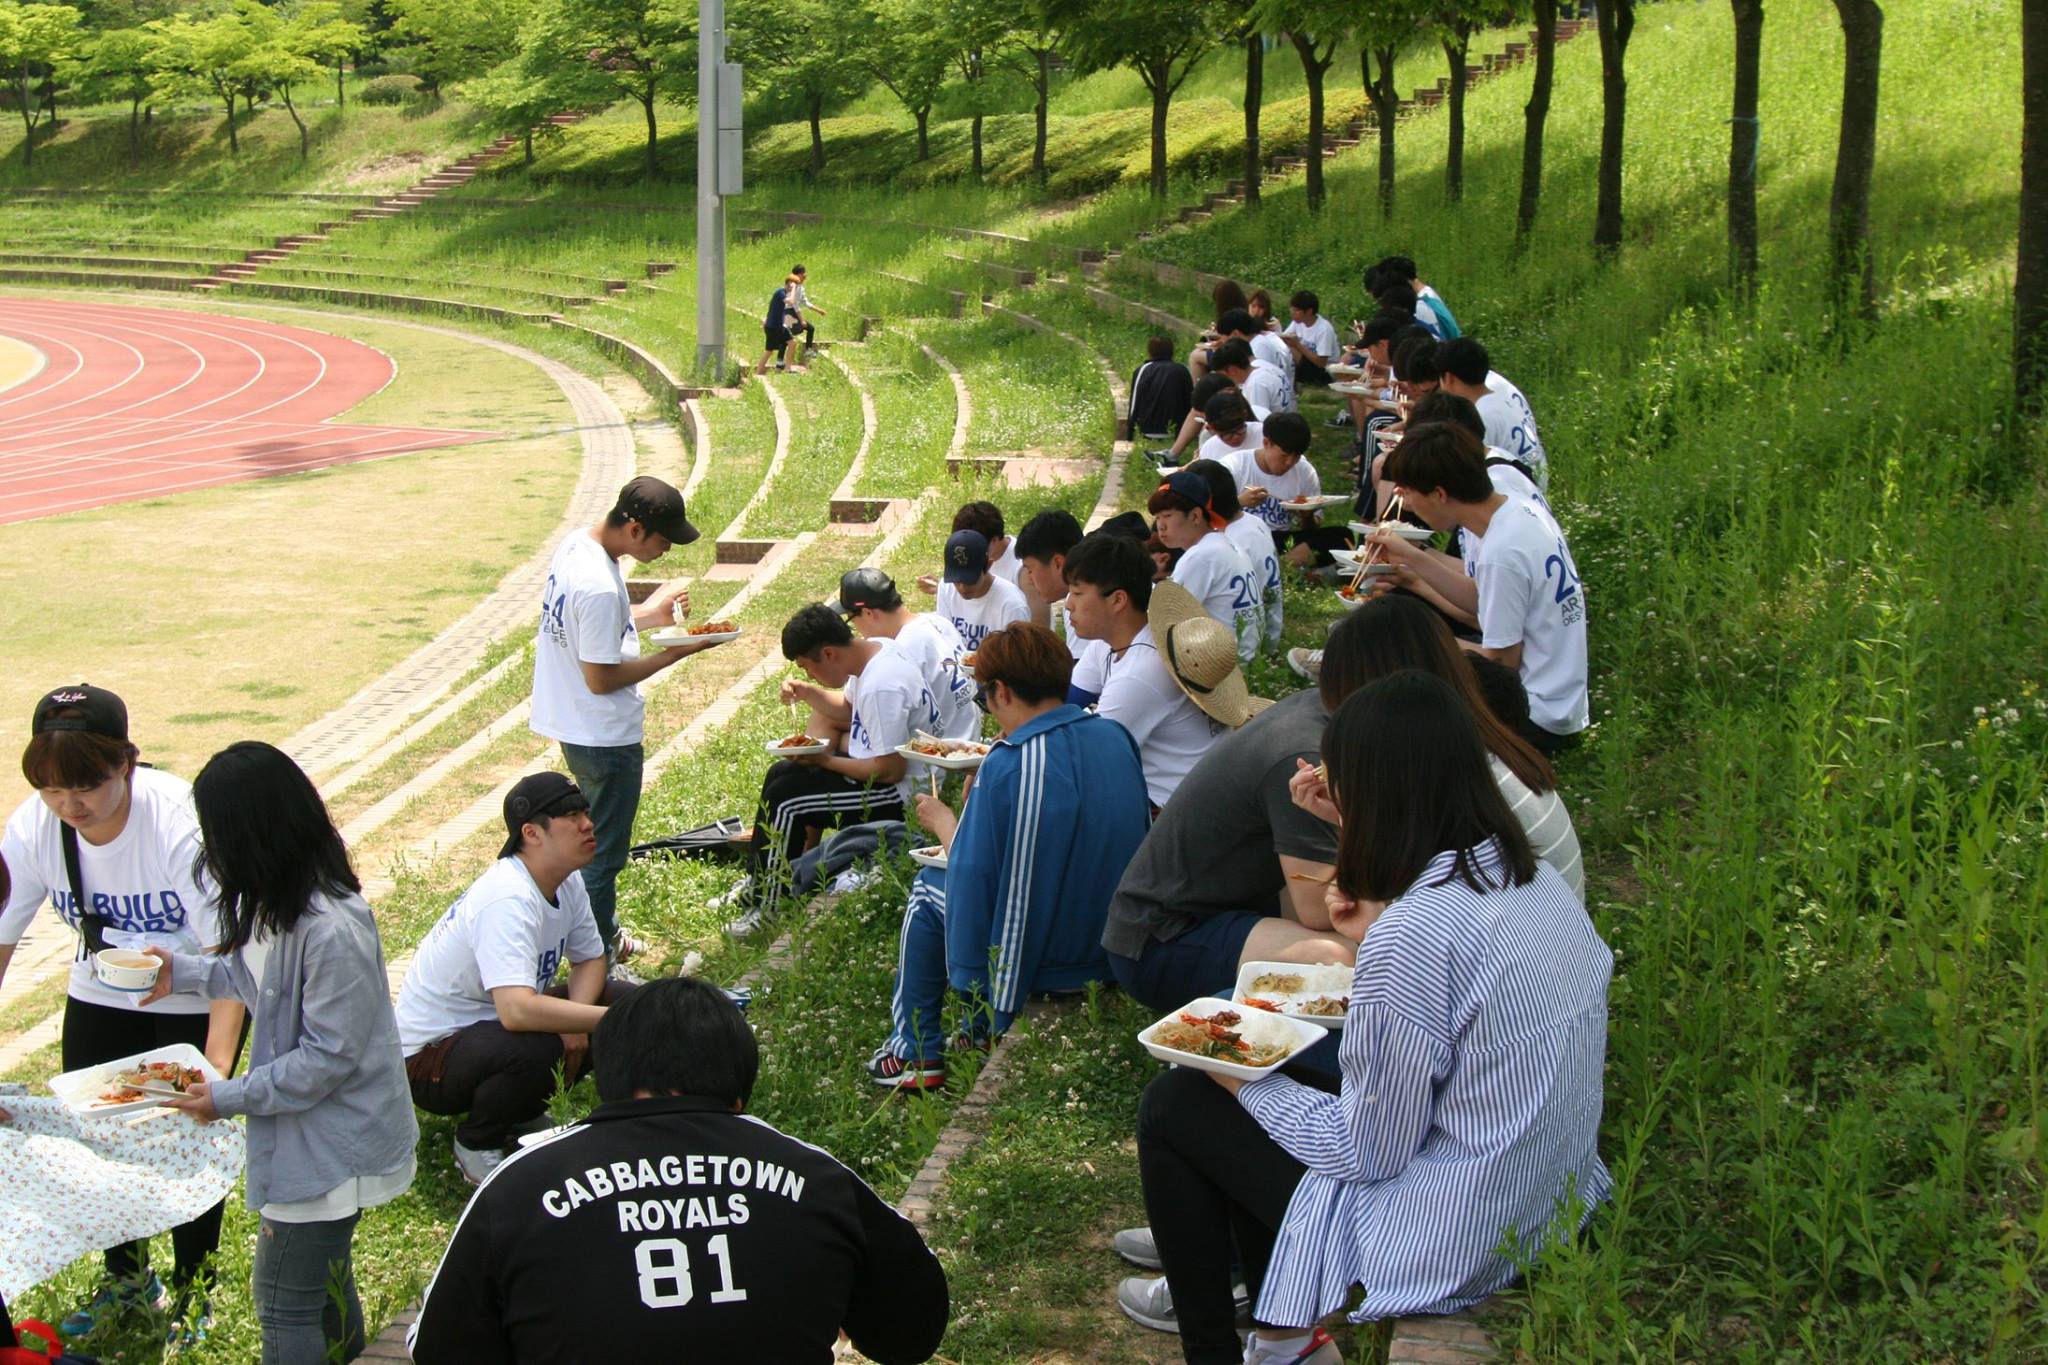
(325, 1093)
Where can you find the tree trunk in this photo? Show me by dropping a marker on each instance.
(28, 129)
(1617, 21)
(924, 137)
(815, 108)
(1456, 47)
(974, 86)
(2030, 277)
(1853, 272)
(1312, 72)
(1534, 113)
(653, 154)
(340, 97)
(234, 143)
(1386, 104)
(1254, 100)
(1044, 92)
(1162, 93)
(529, 146)
(974, 136)
(248, 105)
(1744, 140)
(292, 109)
(135, 131)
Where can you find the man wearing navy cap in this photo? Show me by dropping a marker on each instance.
(481, 1017)
(587, 670)
(972, 598)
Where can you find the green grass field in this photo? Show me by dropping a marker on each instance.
(1814, 797)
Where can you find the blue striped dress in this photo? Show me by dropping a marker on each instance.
(1471, 1065)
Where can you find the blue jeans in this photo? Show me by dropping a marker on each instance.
(305, 1289)
(610, 779)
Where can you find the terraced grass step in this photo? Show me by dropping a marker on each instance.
(153, 264)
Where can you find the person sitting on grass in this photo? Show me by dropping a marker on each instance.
(872, 605)
(1042, 549)
(1250, 535)
(1228, 297)
(482, 1020)
(1109, 588)
(1467, 371)
(1233, 424)
(670, 1225)
(1261, 385)
(1211, 568)
(1401, 269)
(1195, 425)
(974, 599)
(1057, 810)
(1469, 1099)
(1310, 339)
(1519, 586)
(868, 698)
(1161, 390)
(331, 1126)
(1272, 475)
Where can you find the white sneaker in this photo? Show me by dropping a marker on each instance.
(733, 895)
(476, 1164)
(1319, 1351)
(1307, 662)
(854, 878)
(1136, 1246)
(1149, 1303)
(628, 947)
(747, 925)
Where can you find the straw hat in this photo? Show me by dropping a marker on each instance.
(1200, 654)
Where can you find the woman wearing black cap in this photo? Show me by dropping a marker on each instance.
(331, 1131)
(121, 840)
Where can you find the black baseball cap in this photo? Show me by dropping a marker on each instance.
(538, 794)
(99, 712)
(658, 507)
(966, 557)
(865, 587)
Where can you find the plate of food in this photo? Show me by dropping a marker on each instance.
(933, 855)
(954, 755)
(1341, 371)
(789, 746)
(1314, 504)
(1212, 1034)
(709, 633)
(143, 1081)
(1369, 392)
(1319, 994)
(1414, 535)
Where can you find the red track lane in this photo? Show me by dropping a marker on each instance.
(137, 402)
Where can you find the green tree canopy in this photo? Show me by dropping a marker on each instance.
(33, 40)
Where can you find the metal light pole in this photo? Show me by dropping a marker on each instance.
(710, 200)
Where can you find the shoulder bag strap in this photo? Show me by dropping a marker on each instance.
(92, 928)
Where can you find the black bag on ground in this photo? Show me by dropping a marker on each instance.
(720, 841)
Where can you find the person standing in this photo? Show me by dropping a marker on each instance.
(105, 832)
(331, 1132)
(587, 671)
(799, 301)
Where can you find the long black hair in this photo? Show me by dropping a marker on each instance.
(269, 844)
(1409, 774)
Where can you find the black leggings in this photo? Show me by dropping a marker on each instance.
(799, 800)
(1213, 1179)
(103, 1033)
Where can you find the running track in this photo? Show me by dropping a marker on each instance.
(137, 402)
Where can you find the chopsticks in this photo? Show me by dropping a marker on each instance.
(1371, 555)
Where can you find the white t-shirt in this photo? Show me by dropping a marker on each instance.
(1530, 595)
(1512, 426)
(935, 647)
(1171, 732)
(1318, 337)
(1216, 448)
(1268, 349)
(974, 618)
(1510, 480)
(1005, 565)
(1091, 657)
(585, 617)
(1302, 481)
(1222, 579)
(1269, 388)
(890, 700)
(500, 932)
(143, 884)
(1251, 535)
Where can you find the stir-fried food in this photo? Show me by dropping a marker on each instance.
(157, 1076)
(1216, 1038)
(798, 741)
(1282, 982)
(947, 748)
(713, 628)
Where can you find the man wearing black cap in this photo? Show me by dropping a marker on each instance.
(873, 605)
(587, 668)
(481, 1018)
(973, 598)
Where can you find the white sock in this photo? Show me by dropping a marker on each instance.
(1268, 1344)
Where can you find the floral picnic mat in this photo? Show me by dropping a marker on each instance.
(71, 1186)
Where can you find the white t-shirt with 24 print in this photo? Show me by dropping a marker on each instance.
(890, 701)
(585, 617)
(1217, 574)
(500, 932)
(1530, 595)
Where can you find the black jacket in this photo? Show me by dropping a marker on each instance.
(1161, 393)
(674, 1230)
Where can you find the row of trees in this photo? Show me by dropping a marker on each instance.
(246, 52)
